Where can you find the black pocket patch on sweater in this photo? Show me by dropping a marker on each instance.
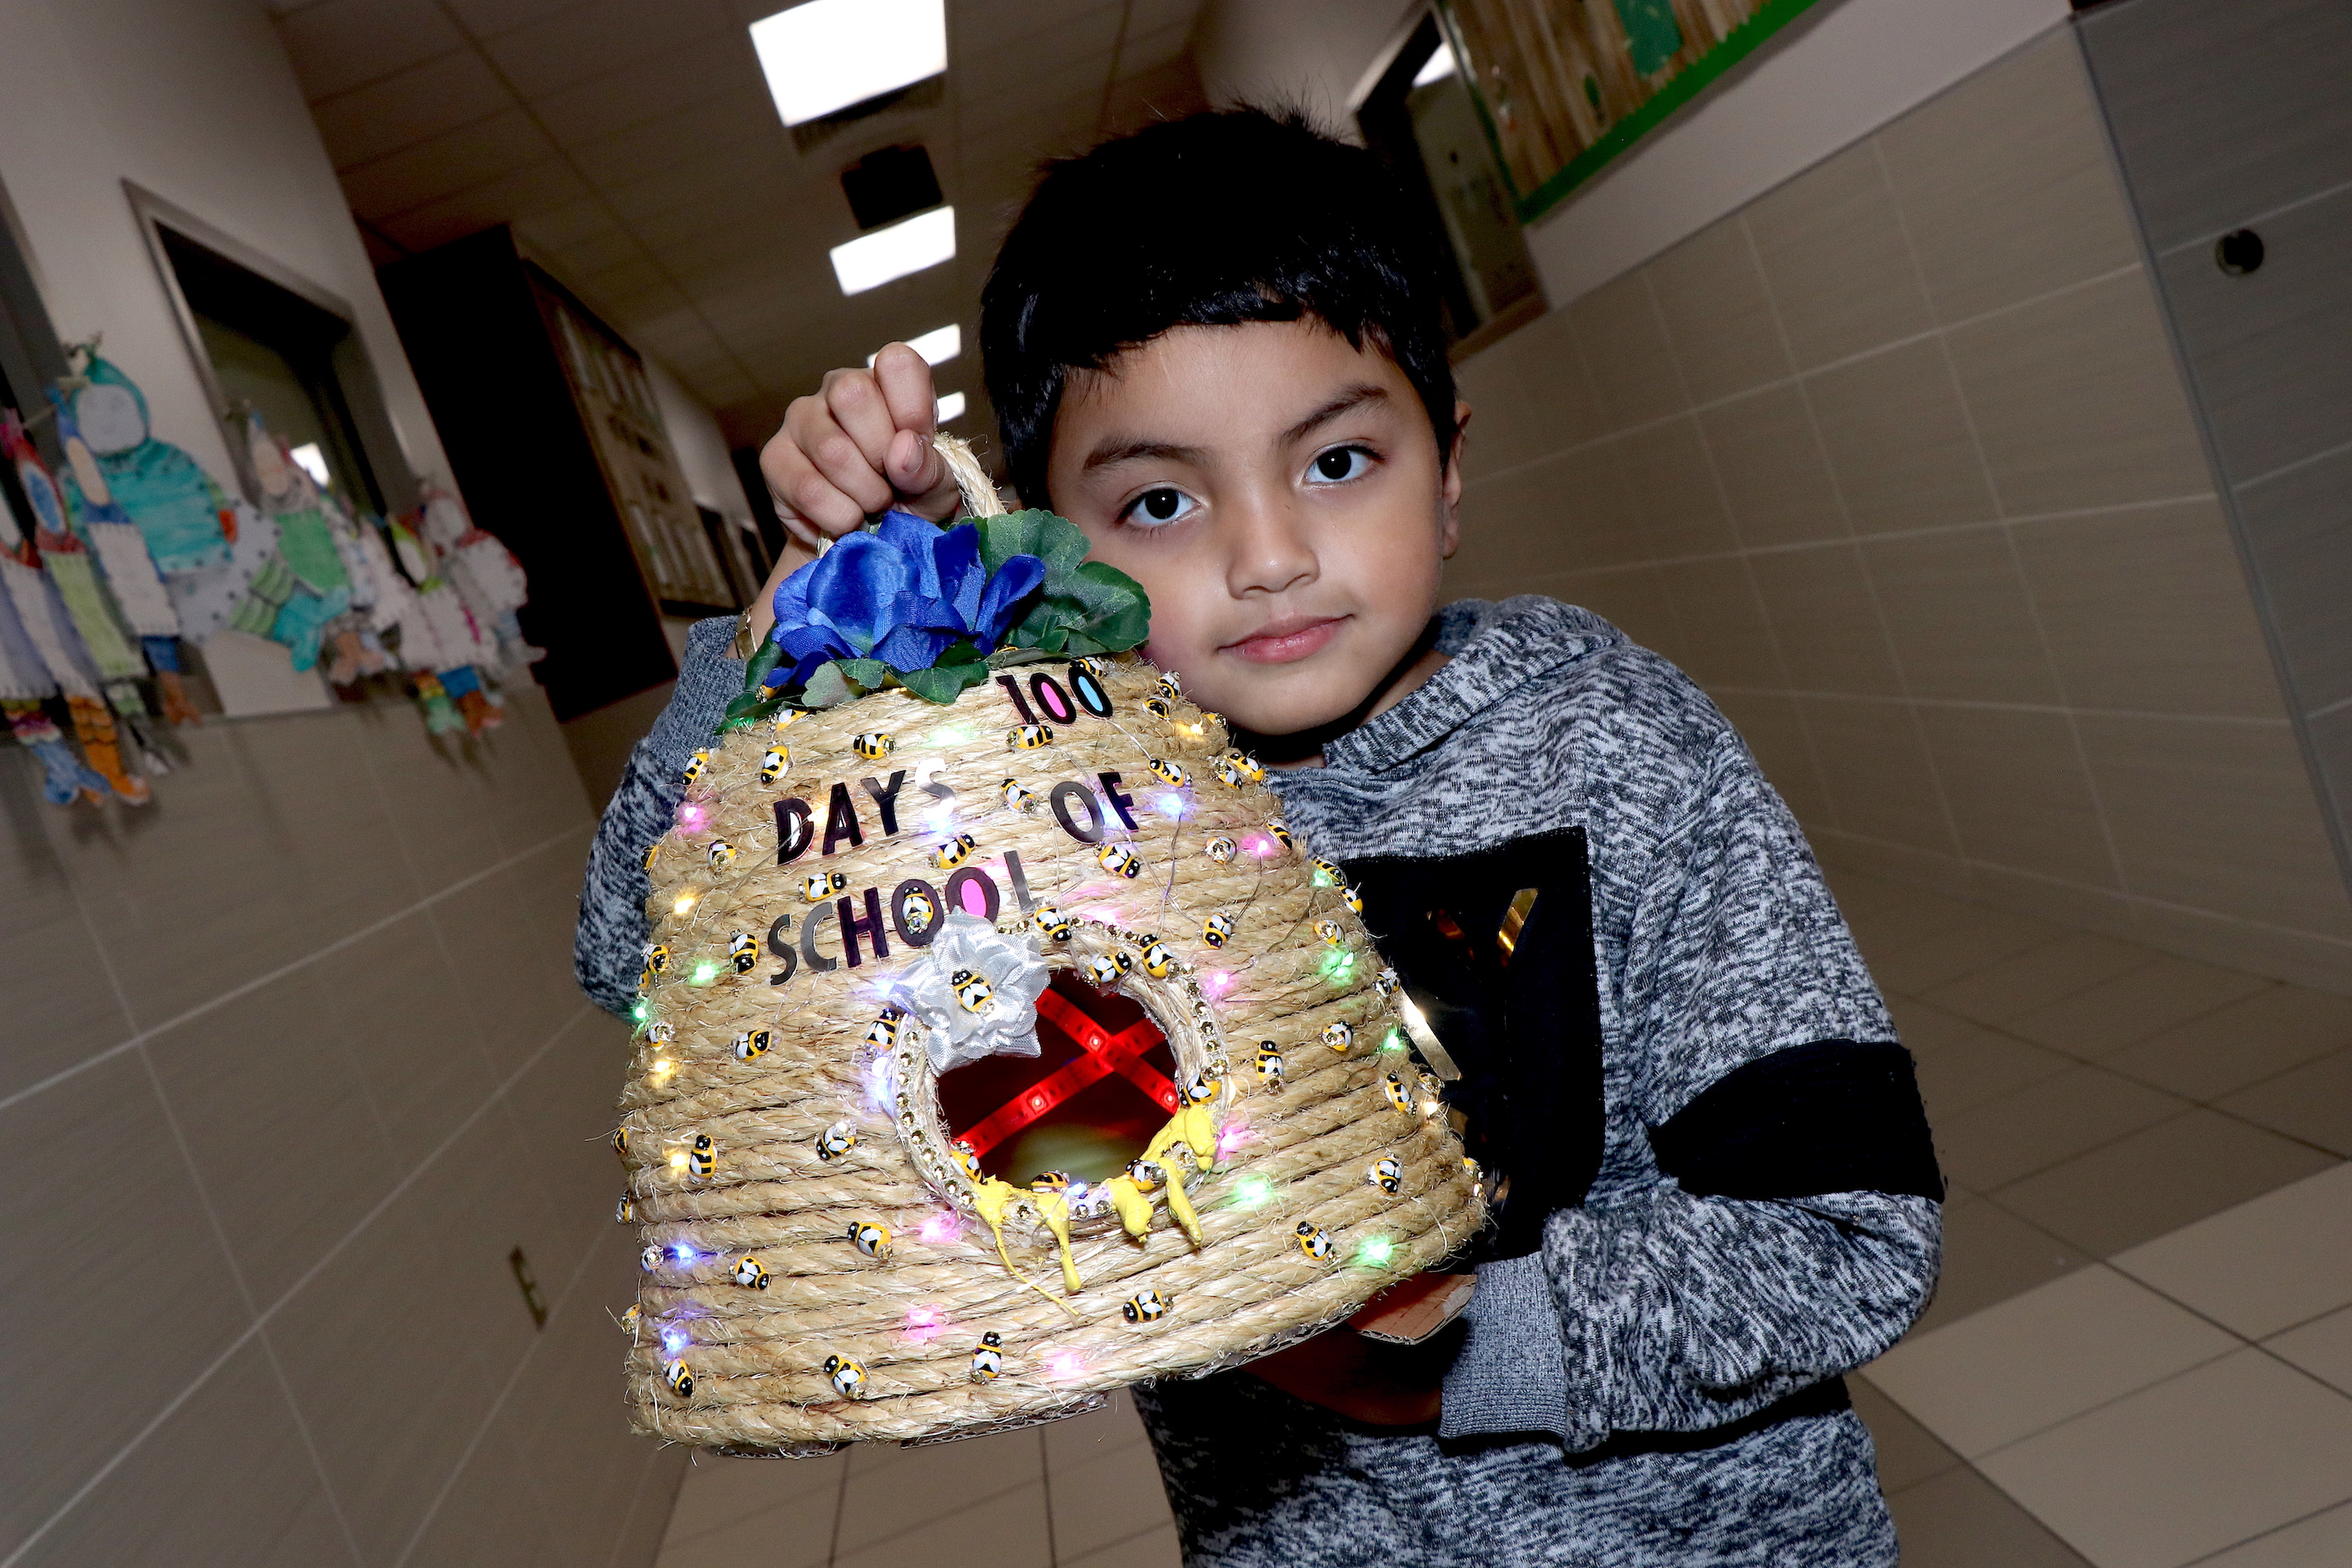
(1832, 1116)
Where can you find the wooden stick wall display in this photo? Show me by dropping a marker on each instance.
(1563, 86)
(822, 1262)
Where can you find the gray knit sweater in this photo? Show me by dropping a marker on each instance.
(1729, 1202)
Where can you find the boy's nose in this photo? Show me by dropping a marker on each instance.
(1270, 550)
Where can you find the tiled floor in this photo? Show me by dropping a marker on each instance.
(2141, 1355)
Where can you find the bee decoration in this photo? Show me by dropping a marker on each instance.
(695, 764)
(621, 1144)
(1280, 833)
(1093, 665)
(661, 1034)
(1313, 1242)
(1146, 1174)
(1324, 869)
(871, 1237)
(1249, 767)
(1168, 685)
(1166, 772)
(1147, 1305)
(749, 1273)
(1051, 921)
(973, 992)
(1269, 1064)
(1393, 1087)
(966, 1160)
(1016, 798)
(1220, 849)
(953, 852)
(1202, 1090)
(873, 745)
(625, 1211)
(918, 911)
(656, 959)
(1158, 960)
(750, 1043)
(818, 885)
(1229, 773)
(702, 1158)
(835, 1141)
(652, 851)
(786, 719)
(1027, 737)
(1156, 706)
(847, 1377)
(883, 1033)
(632, 1317)
(1339, 1035)
(1120, 860)
(1330, 932)
(774, 761)
(680, 1380)
(649, 1259)
(1477, 1177)
(1387, 1173)
(1050, 1182)
(1353, 899)
(1386, 984)
(1126, 960)
(1217, 929)
(743, 950)
(988, 1357)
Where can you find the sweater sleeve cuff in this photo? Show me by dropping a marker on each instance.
(1508, 1377)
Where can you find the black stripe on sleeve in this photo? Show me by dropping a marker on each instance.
(1832, 1116)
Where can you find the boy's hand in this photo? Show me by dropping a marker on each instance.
(861, 445)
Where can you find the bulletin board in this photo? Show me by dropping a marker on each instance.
(1565, 86)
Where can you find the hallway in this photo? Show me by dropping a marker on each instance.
(2141, 1355)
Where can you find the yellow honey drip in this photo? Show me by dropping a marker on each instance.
(1197, 1131)
(991, 1198)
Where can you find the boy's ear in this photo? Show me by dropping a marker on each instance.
(1449, 539)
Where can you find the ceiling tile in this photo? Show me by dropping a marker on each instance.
(993, 70)
(713, 70)
(981, 26)
(340, 44)
(442, 165)
(484, 18)
(568, 225)
(590, 254)
(1049, 99)
(1148, 16)
(401, 110)
(591, 41)
(740, 130)
(1150, 51)
(550, 183)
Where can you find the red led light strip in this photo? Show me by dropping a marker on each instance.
(1105, 1054)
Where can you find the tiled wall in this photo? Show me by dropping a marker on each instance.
(2230, 116)
(1896, 462)
(293, 1062)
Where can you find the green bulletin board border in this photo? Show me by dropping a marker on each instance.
(1741, 42)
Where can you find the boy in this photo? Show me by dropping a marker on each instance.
(1211, 347)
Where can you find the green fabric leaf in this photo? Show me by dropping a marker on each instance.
(755, 670)
(869, 673)
(828, 688)
(1054, 541)
(1007, 657)
(944, 683)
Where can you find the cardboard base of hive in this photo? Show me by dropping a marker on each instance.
(1297, 1148)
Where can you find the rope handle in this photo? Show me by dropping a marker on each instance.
(979, 497)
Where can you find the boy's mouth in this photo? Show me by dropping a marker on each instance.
(1288, 640)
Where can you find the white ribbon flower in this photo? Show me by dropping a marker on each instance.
(976, 992)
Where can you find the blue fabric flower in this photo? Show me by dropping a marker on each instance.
(901, 595)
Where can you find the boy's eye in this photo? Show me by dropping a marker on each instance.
(1340, 465)
(1161, 504)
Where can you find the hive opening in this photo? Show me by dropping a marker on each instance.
(1104, 1082)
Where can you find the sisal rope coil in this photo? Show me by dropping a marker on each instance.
(1295, 1149)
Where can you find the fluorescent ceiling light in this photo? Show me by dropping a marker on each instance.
(950, 408)
(310, 460)
(908, 245)
(829, 53)
(1439, 67)
(937, 346)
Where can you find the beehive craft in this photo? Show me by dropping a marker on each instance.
(995, 1054)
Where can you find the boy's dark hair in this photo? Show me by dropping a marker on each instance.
(1209, 221)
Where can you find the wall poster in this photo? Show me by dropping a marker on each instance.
(1564, 86)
